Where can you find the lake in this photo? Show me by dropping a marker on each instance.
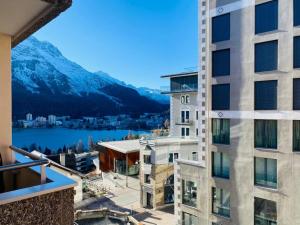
(55, 138)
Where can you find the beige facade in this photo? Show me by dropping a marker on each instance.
(241, 150)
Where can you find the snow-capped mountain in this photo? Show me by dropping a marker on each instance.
(44, 81)
(153, 94)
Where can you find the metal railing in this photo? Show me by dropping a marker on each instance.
(179, 89)
(37, 161)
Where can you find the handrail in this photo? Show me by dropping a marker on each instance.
(23, 152)
(23, 165)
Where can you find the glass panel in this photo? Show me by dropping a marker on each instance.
(265, 212)
(265, 172)
(266, 17)
(189, 219)
(221, 28)
(296, 135)
(186, 83)
(187, 132)
(266, 95)
(171, 157)
(266, 58)
(221, 63)
(182, 131)
(296, 12)
(189, 193)
(265, 134)
(220, 165)
(221, 131)
(296, 94)
(221, 97)
(297, 52)
(221, 202)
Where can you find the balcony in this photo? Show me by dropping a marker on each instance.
(185, 88)
(147, 168)
(28, 184)
(181, 121)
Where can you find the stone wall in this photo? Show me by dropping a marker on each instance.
(55, 208)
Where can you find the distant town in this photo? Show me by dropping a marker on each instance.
(146, 121)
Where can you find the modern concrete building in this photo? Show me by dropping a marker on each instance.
(249, 73)
(158, 154)
(30, 192)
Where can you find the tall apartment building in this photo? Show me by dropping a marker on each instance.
(157, 155)
(30, 192)
(250, 130)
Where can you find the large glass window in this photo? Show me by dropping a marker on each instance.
(265, 172)
(189, 193)
(266, 17)
(221, 97)
(297, 52)
(221, 131)
(221, 63)
(185, 83)
(296, 12)
(189, 219)
(221, 28)
(221, 202)
(265, 134)
(296, 94)
(265, 212)
(266, 56)
(266, 95)
(220, 165)
(296, 135)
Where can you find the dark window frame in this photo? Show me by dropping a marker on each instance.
(261, 101)
(263, 58)
(264, 17)
(216, 97)
(221, 32)
(223, 56)
(267, 182)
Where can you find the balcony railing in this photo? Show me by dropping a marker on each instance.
(180, 89)
(180, 121)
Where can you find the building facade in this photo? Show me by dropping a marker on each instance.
(158, 154)
(249, 69)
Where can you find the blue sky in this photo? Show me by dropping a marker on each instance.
(133, 40)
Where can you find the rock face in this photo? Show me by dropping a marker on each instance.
(45, 82)
(55, 208)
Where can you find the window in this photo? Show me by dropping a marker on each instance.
(184, 83)
(185, 99)
(265, 135)
(221, 63)
(297, 52)
(220, 202)
(266, 56)
(197, 132)
(197, 114)
(195, 156)
(296, 135)
(221, 131)
(185, 116)
(266, 95)
(147, 178)
(296, 94)
(185, 131)
(265, 212)
(265, 172)
(147, 159)
(220, 165)
(189, 193)
(221, 28)
(189, 219)
(296, 12)
(172, 157)
(221, 97)
(266, 17)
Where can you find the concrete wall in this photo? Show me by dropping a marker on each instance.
(241, 149)
(5, 98)
(54, 208)
(175, 109)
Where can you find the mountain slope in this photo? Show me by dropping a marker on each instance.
(44, 82)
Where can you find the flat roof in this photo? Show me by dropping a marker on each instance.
(195, 73)
(170, 140)
(126, 146)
